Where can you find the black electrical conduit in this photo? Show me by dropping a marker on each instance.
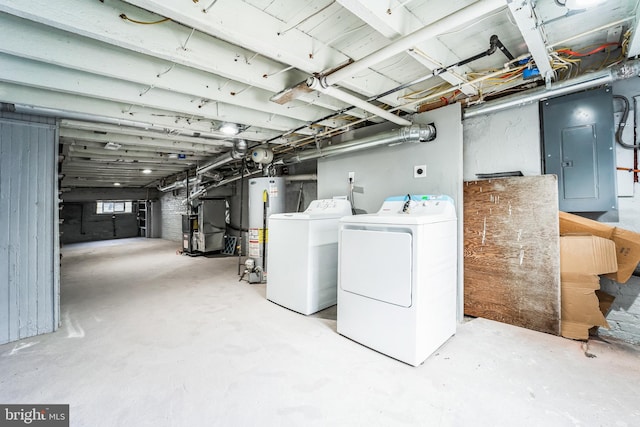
(494, 44)
(623, 122)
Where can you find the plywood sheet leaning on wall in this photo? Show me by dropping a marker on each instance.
(512, 251)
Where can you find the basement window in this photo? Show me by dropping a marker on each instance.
(114, 207)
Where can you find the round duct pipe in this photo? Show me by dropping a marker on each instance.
(179, 184)
(414, 134)
(586, 81)
(238, 151)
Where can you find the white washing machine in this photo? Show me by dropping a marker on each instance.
(397, 277)
(303, 256)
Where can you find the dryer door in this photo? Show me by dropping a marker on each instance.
(377, 264)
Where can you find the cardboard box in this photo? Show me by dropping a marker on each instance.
(582, 259)
(627, 242)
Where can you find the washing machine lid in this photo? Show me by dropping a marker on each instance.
(411, 210)
(319, 209)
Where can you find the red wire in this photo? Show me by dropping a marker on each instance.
(598, 49)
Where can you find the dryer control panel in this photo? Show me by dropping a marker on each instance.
(417, 204)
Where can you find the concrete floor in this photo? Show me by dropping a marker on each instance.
(150, 338)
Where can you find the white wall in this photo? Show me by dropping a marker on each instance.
(510, 140)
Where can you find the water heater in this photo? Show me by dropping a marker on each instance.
(266, 197)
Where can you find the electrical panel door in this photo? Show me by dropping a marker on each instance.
(578, 146)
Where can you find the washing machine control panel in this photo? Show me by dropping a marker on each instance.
(330, 206)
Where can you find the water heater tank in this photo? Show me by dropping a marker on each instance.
(266, 197)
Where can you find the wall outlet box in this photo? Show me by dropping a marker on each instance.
(420, 171)
(352, 176)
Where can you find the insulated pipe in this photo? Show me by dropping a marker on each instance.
(238, 151)
(446, 24)
(415, 133)
(586, 81)
(320, 85)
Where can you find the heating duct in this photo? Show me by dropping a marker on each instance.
(179, 184)
(414, 134)
(238, 151)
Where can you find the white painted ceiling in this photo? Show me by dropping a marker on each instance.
(159, 77)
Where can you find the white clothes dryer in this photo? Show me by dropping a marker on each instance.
(397, 274)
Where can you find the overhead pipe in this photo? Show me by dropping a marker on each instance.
(443, 25)
(325, 82)
(320, 85)
(494, 44)
(179, 184)
(586, 81)
(238, 152)
(414, 134)
(203, 190)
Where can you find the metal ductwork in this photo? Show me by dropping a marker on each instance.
(586, 81)
(414, 134)
(238, 151)
(179, 184)
(203, 190)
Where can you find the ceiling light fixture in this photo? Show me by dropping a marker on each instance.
(116, 184)
(147, 171)
(229, 129)
(112, 146)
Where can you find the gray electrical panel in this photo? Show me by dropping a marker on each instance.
(578, 146)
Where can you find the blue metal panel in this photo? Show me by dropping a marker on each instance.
(29, 280)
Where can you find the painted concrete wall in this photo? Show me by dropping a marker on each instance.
(503, 142)
(389, 171)
(172, 209)
(29, 251)
(82, 224)
(510, 140)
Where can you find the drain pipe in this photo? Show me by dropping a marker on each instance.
(238, 151)
(586, 81)
(414, 134)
